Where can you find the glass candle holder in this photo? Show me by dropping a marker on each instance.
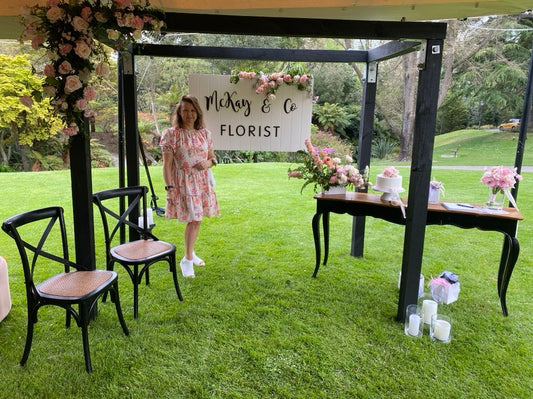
(440, 328)
(428, 307)
(414, 323)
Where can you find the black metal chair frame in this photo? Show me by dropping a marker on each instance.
(82, 287)
(135, 266)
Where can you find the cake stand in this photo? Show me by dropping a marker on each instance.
(389, 194)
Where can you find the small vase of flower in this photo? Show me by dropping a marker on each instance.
(500, 180)
(435, 189)
(495, 199)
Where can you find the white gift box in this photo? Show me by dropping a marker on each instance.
(420, 286)
(443, 291)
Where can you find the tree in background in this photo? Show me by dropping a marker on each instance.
(25, 117)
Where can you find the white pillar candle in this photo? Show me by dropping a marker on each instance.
(141, 222)
(441, 330)
(149, 217)
(414, 324)
(429, 308)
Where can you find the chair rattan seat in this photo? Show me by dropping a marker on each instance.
(141, 249)
(75, 284)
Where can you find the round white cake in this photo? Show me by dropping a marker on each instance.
(388, 183)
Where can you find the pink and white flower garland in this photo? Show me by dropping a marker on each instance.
(268, 84)
(70, 32)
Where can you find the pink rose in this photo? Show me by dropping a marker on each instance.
(79, 24)
(89, 93)
(49, 70)
(123, 3)
(55, 14)
(26, 100)
(36, 42)
(137, 23)
(65, 68)
(64, 49)
(82, 50)
(82, 104)
(72, 83)
(86, 13)
(287, 78)
(71, 130)
(303, 78)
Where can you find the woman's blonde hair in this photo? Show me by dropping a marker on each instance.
(176, 117)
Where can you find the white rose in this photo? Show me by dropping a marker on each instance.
(82, 50)
(102, 69)
(113, 34)
(54, 14)
(72, 83)
(80, 24)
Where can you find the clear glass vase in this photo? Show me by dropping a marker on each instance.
(335, 190)
(495, 199)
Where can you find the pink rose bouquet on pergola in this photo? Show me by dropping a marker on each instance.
(72, 32)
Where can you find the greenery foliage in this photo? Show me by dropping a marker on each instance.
(25, 117)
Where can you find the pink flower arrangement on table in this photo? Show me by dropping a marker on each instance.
(325, 169)
(268, 84)
(70, 31)
(501, 179)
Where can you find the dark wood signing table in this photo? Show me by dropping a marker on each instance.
(363, 204)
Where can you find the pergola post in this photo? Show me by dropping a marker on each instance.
(129, 106)
(366, 127)
(81, 184)
(421, 162)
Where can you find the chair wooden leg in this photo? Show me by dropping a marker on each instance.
(115, 297)
(84, 321)
(172, 263)
(29, 338)
(136, 281)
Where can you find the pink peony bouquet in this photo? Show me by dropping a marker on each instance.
(324, 168)
(72, 31)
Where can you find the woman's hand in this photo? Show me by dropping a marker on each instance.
(203, 165)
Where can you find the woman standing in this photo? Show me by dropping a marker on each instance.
(188, 154)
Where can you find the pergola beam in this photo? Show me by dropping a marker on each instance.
(263, 54)
(302, 27)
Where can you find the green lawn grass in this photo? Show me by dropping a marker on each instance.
(254, 324)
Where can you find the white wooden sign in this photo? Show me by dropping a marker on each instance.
(241, 119)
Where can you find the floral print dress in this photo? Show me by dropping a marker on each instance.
(194, 196)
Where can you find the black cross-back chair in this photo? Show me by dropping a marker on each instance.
(82, 287)
(138, 255)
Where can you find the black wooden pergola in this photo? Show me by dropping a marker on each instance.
(425, 37)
